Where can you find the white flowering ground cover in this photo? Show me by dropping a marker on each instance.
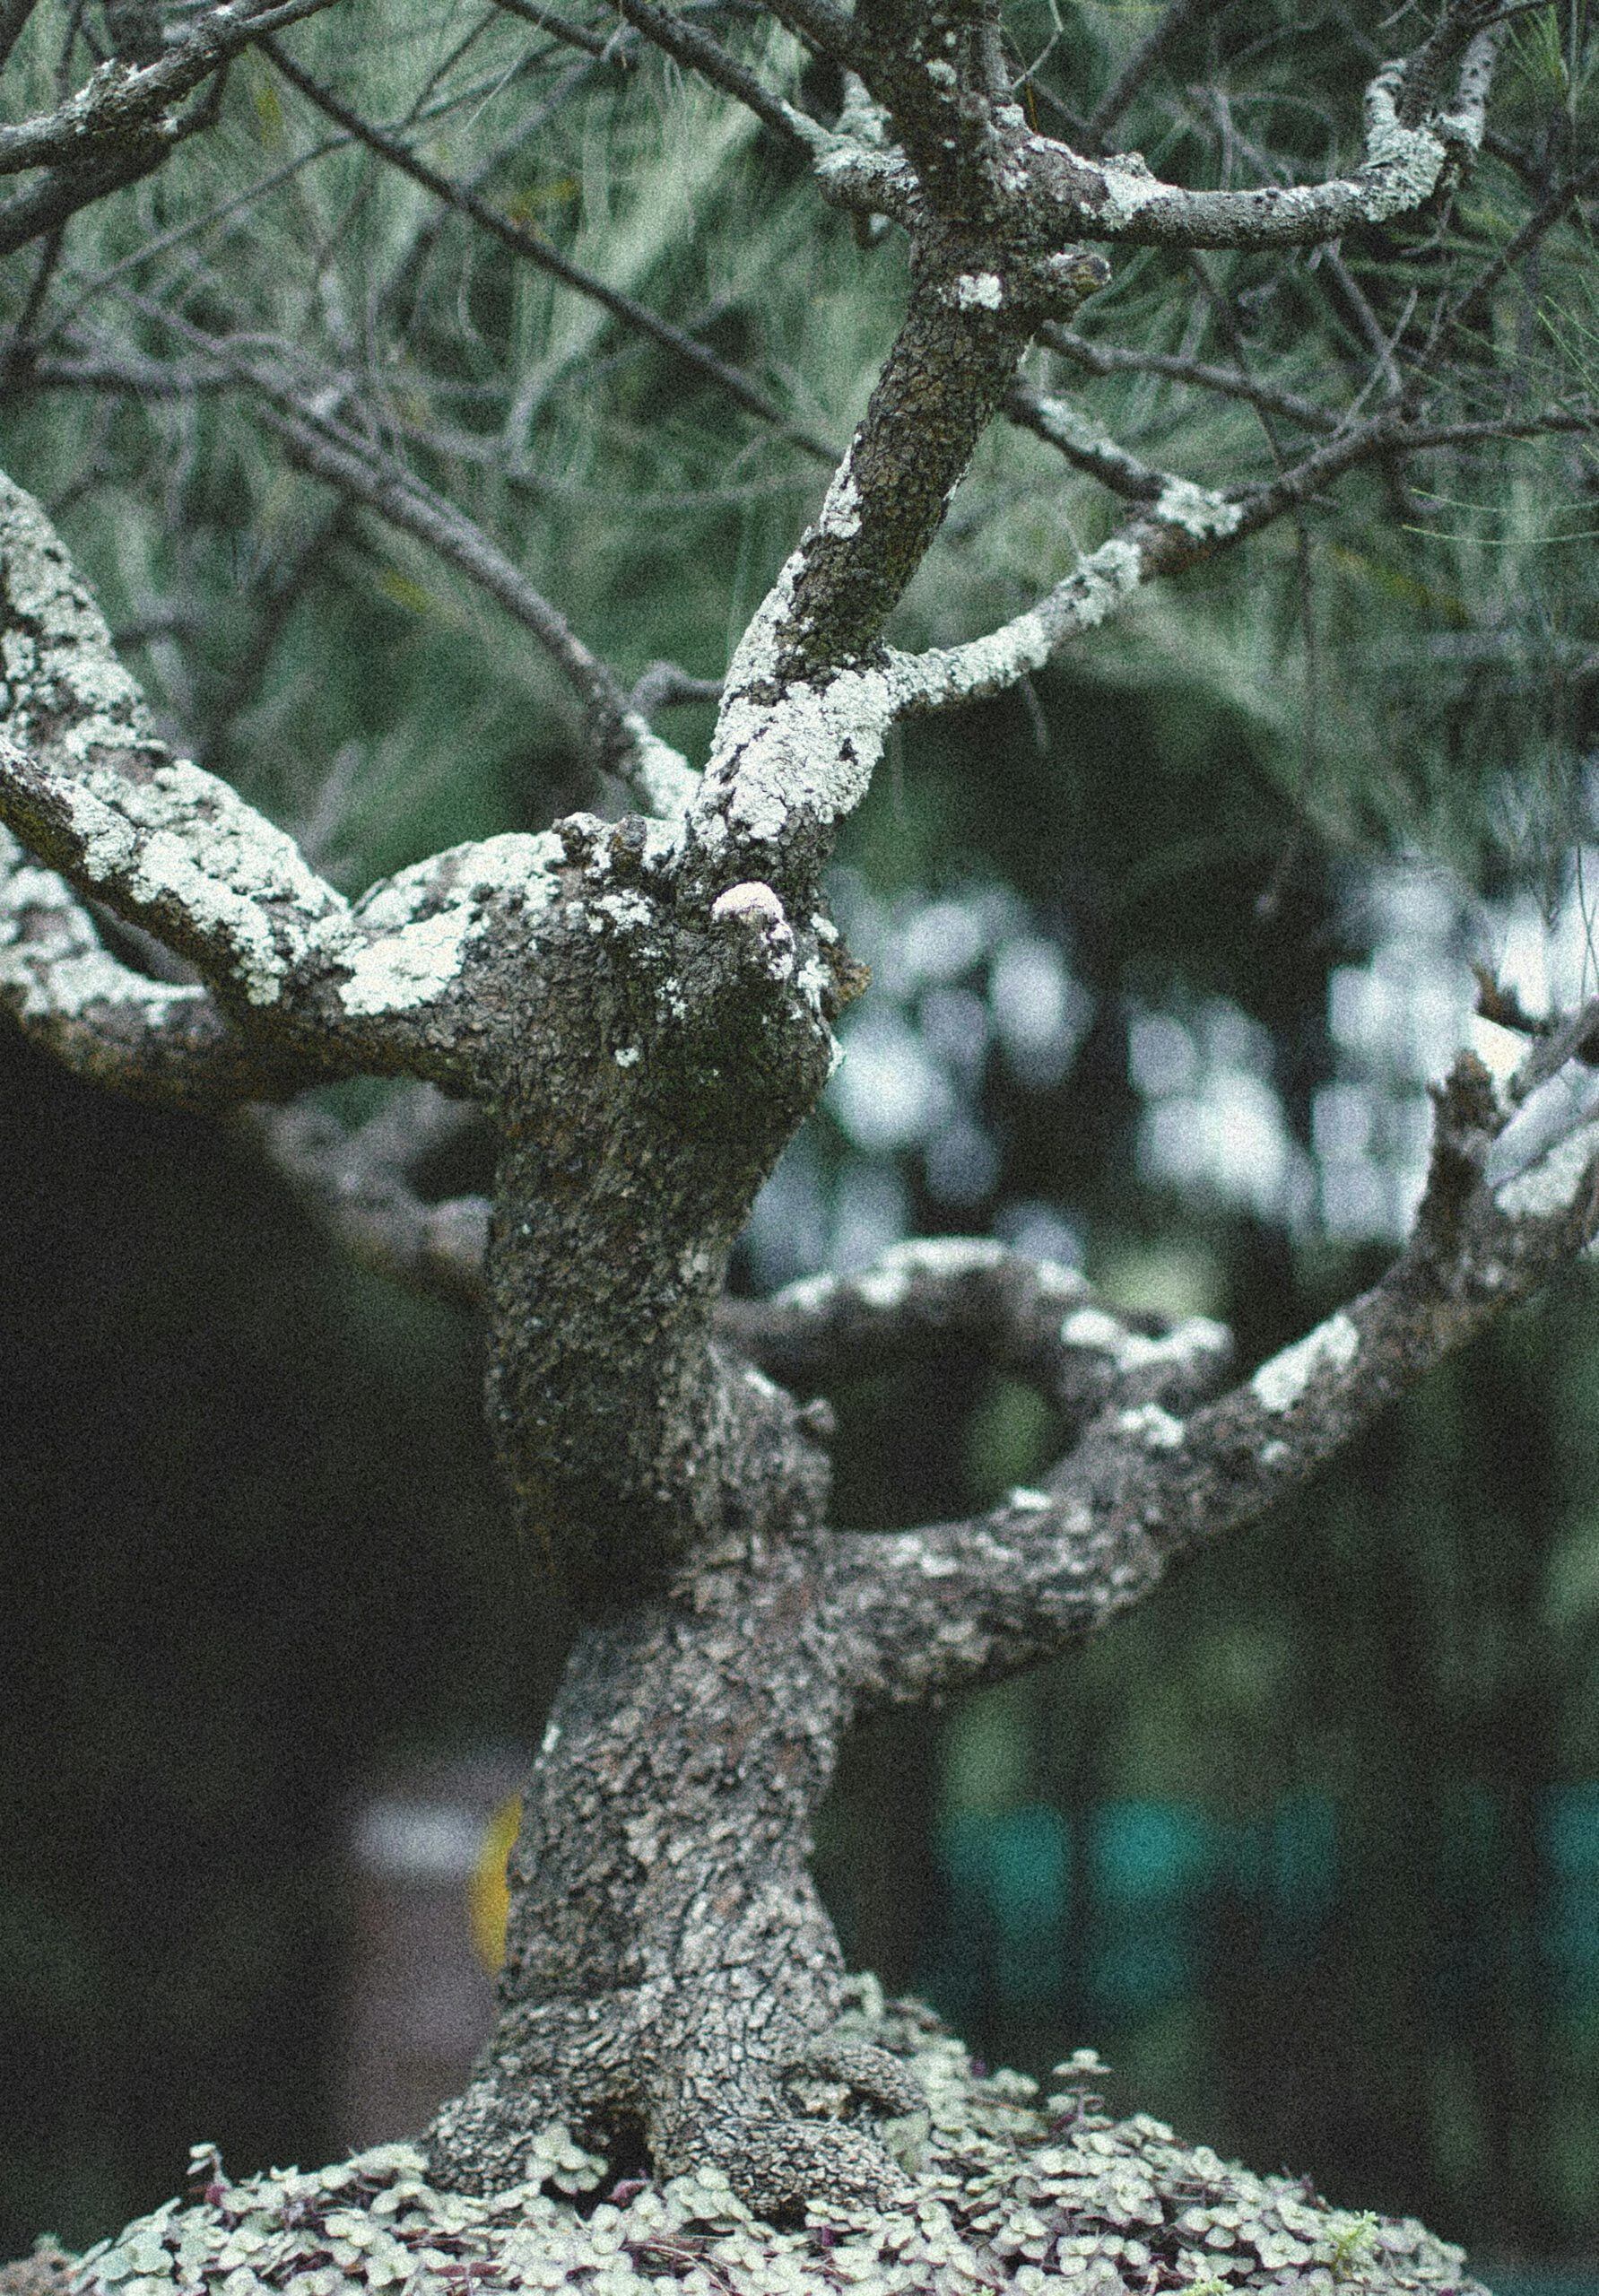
(1006, 2193)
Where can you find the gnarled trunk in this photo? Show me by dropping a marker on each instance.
(670, 1969)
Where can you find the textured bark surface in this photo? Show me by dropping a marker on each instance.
(669, 1967)
(641, 1010)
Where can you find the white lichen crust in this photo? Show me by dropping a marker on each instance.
(1283, 1378)
(414, 933)
(1008, 2191)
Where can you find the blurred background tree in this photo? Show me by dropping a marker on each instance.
(1164, 953)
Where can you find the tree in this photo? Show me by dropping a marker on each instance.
(642, 1007)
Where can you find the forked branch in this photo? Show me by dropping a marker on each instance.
(310, 984)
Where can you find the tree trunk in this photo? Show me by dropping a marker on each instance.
(670, 1970)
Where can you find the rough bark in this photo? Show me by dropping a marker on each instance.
(642, 1011)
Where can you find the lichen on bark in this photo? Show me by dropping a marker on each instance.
(642, 1011)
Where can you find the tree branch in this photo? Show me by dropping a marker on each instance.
(1403, 164)
(925, 1610)
(692, 48)
(46, 207)
(823, 26)
(96, 795)
(600, 47)
(1083, 445)
(1228, 382)
(624, 745)
(1184, 524)
(794, 753)
(1539, 223)
(326, 988)
(1036, 1321)
(150, 1039)
(123, 104)
(357, 1187)
(1137, 69)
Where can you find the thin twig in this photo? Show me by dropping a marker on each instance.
(561, 27)
(360, 471)
(540, 252)
(119, 106)
(704, 56)
(1542, 220)
(1137, 69)
(1061, 427)
(1226, 382)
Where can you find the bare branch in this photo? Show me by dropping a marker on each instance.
(173, 850)
(150, 1039)
(1404, 165)
(1036, 1321)
(1054, 195)
(85, 784)
(316, 442)
(1137, 69)
(1185, 523)
(1084, 446)
(356, 1186)
(47, 205)
(623, 743)
(1228, 382)
(1462, 21)
(663, 686)
(929, 1609)
(1149, 545)
(692, 48)
(561, 27)
(1556, 205)
(95, 795)
(123, 105)
(824, 26)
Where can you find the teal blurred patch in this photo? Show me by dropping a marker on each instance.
(1570, 1926)
(1128, 1914)
(1151, 1853)
(1009, 1877)
(1125, 1913)
(1151, 1865)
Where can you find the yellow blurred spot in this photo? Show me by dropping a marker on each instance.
(487, 1897)
(269, 113)
(535, 199)
(404, 591)
(1398, 584)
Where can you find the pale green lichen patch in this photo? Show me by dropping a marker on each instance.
(181, 845)
(52, 965)
(419, 924)
(1007, 2192)
(1283, 1379)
